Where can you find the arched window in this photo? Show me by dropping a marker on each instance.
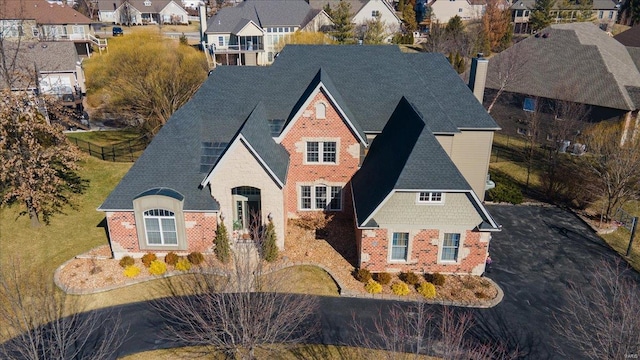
(160, 227)
(321, 111)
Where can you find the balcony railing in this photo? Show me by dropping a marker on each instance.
(238, 48)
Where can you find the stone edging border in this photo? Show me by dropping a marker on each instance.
(341, 288)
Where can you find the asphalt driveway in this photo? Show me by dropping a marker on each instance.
(538, 253)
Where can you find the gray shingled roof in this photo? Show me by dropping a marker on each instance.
(370, 80)
(405, 156)
(356, 5)
(258, 134)
(597, 5)
(156, 5)
(630, 37)
(575, 62)
(262, 12)
(47, 56)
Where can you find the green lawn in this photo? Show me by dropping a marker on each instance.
(69, 234)
(104, 138)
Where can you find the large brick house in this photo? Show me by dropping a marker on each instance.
(396, 142)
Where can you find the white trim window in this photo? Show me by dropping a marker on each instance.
(450, 247)
(430, 197)
(321, 152)
(399, 246)
(160, 227)
(320, 197)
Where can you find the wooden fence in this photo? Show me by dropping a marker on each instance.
(126, 151)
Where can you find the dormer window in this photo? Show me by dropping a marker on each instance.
(430, 198)
(321, 111)
(147, 3)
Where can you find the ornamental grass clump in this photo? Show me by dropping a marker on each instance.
(383, 278)
(157, 267)
(131, 271)
(171, 258)
(183, 265)
(148, 258)
(363, 275)
(400, 288)
(373, 287)
(127, 261)
(410, 278)
(427, 289)
(195, 258)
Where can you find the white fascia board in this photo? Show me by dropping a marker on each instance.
(262, 162)
(384, 201)
(297, 115)
(485, 212)
(241, 140)
(306, 103)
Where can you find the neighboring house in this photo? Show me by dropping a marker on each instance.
(403, 157)
(141, 12)
(604, 13)
(444, 10)
(366, 10)
(630, 37)
(48, 67)
(41, 20)
(192, 4)
(250, 33)
(565, 63)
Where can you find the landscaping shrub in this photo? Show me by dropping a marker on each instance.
(312, 221)
(481, 295)
(269, 247)
(506, 189)
(410, 278)
(157, 267)
(400, 288)
(196, 258)
(131, 271)
(363, 275)
(148, 258)
(427, 289)
(222, 249)
(436, 279)
(127, 261)
(373, 287)
(171, 258)
(183, 264)
(383, 278)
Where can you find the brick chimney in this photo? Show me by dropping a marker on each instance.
(478, 76)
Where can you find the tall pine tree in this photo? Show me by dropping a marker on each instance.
(269, 246)
(222, 249)
(541, 14)
(343, 30)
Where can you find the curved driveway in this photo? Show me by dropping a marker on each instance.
(538, 252)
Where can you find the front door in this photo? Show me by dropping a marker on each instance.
(246, 203)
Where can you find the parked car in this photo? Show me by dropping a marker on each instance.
(117, 31)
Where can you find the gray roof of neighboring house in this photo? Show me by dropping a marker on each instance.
(405, 156)
(264, 13)
(597, 5)
(635, 55)
(631, 37)
(369, 81)
(356, 5)
(156, 5)
(575, 62)
(47, 56)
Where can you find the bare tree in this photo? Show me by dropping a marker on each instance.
(506, 69)
(534, 119)
(233, 310)
(615, 166)
(11, 36)
(41, 322)
(412, 330)
(601, 320)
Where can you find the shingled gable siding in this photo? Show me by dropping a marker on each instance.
(423, 256)
(238, 167)
(200, 231)
(331, 128)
